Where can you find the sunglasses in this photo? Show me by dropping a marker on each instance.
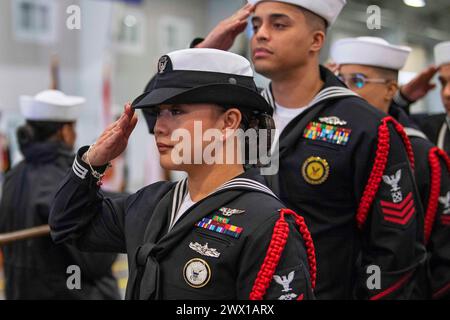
(359, 80)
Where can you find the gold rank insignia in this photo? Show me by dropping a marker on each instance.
(315, 170)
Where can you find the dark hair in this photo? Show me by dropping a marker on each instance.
(388, 74)
(37, 131)
(314, 21)
(255, 120)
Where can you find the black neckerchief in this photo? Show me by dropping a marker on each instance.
(144, 281)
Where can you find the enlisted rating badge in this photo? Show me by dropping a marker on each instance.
(445, 201)
(315, 170)
(197, 273)
(445, 216)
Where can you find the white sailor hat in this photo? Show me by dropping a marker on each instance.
(442, 53)
(327, 9)
(201, 75)
(51, 105)
(369, 51)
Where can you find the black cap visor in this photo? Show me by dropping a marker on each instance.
(221, 94)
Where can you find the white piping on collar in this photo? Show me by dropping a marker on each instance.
(412, 132)
(181, 191)
(442, 132)
(248, 183)
(326, 93)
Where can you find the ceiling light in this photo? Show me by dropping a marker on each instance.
(415, 3)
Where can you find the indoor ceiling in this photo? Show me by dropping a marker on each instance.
(433, 7)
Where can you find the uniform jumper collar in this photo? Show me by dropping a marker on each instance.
(44, 152)
(332, 88)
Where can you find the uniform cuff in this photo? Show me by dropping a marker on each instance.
(195, 42)
(401, 100)
(81, 168)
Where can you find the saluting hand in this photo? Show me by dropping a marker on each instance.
(418, 87)
(223, 35)
(114, 139)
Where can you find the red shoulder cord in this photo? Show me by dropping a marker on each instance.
(435, 188)
(381, 159)
(275, 250)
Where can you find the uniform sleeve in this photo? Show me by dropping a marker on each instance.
(400, 101)
(262, 278)
(390, 218)
(82, 215)
(93, 265)
(439, 243)
(195, 42)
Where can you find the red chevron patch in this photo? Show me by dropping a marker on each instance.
(445, 220)
(399, 213)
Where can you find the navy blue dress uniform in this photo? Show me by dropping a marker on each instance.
(334, 159)
(431, 172)
(36, 268)
(433, 182)
(436, 126)
(222, 247)
(346, 167)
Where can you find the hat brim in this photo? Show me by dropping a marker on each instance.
(221, 94)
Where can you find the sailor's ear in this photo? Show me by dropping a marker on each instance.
(68, 134)
(318, 40)
(232, 118)
(392, 88)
